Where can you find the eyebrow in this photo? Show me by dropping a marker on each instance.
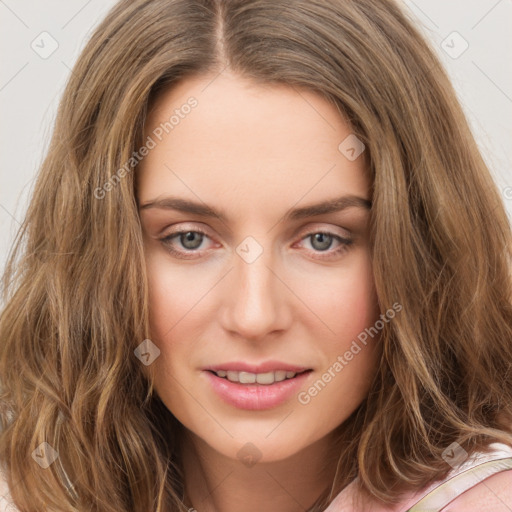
(202, 209)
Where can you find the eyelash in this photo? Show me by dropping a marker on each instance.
(345, 243)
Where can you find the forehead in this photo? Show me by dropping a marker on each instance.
(253, 146)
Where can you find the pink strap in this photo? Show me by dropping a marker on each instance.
(473, 471)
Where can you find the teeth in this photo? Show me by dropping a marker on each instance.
(247, 378)
(280, 375)
(233, 376)
(252, 378)
(265, 378)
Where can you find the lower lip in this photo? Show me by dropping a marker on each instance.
(256, 397)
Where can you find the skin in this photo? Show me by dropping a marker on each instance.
(255, 152)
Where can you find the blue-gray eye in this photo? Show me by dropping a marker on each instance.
(324, 241)
(191, 239)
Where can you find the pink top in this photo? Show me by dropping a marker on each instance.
(483, 483)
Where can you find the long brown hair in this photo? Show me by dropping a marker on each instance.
(75, 289)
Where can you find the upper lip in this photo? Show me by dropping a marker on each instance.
(267, 366)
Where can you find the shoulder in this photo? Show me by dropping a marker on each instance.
(483, 482)
(494, 494)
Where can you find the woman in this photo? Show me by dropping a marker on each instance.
(265, 268)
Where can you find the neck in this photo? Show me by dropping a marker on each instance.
(216, 483)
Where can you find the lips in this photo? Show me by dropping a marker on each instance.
(256, 387)
(265, 373)
(267, 366)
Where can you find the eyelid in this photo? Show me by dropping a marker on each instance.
(309, 230)
(321, 228)
(183, 227)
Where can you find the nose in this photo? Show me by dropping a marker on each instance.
(256, 300)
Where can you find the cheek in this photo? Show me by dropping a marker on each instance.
(360, 302)
(179, 306)
(176, 293)
(346, 300)
(348, 305)
(163, 295)
(170, 310)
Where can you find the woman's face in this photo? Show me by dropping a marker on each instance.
(273, 285)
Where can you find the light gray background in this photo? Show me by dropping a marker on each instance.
(31, 86)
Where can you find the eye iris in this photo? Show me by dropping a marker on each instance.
(188, 237)
(324, 239)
